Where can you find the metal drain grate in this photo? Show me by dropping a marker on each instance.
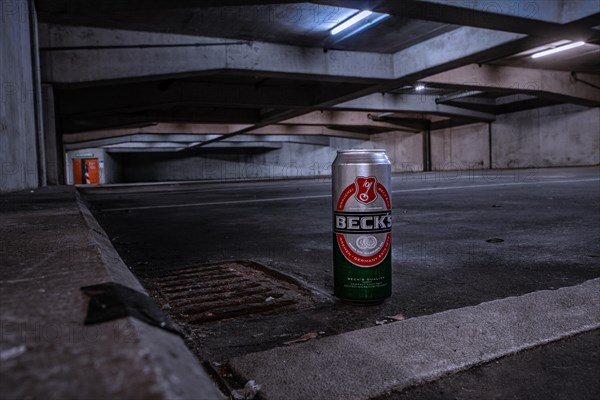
(205, 293)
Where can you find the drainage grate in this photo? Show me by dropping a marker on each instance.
(205, 293)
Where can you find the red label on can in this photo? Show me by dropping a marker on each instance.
(364, 235)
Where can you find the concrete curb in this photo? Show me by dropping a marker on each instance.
(51, 247)
(114, 265)
(371, 362)
(175, 369)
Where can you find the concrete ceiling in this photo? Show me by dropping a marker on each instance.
(253, 65)
(293, 23)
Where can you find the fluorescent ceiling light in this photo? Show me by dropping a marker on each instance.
(557, 49)
(349, 22)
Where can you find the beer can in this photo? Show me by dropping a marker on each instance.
(362, 226)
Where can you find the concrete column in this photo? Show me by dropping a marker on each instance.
(37, 94)
(54, 153)
(490, 146)
(427, 148)
(18, 136)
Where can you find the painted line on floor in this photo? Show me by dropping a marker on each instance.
(371, 362)
(320, 196)
(493, 185)
(217, 203)
(178, 190)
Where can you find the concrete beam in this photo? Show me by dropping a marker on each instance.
(452, 49)
(138, 97)
(139, 138)
(145, 145)
(336, 118)
(449, 50)
(173, 146)
(502, 105)
(111, 6)
(398, 103)
(164, 128)
(195, 55)
(145, 150)
(414, 125)
(307, 130)
(244, 145)
(203, 132)
(556, 85)
(124, 120)
(186, 139)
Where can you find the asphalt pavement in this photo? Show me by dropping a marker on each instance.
(459, 239)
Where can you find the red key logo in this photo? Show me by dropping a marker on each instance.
(366, 189)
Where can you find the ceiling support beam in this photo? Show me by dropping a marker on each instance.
(207, 132)
(186, 139)
(215, 130)
(123, 120)
(139, 97)
(455, 48)
(204, 56)
(395, 103)
(409, 124)
(555, 85)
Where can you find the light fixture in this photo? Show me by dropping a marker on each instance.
(557, 49)
(420, 87)
(350, 22)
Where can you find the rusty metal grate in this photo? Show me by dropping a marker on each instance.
(205, 293)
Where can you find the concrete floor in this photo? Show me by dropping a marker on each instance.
(548, 220)
(564, 370)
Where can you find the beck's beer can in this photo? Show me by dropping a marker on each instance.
(362, 226)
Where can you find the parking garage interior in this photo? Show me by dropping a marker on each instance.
(171, 162)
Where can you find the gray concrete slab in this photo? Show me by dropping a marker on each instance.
(563, 370)
(370, 362)
(48, 252)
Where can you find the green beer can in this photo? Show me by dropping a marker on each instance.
(362, 226)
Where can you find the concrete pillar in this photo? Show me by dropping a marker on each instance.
(53, 147)
(18, 136)
(427, 148)
(490, 146)
(37, 93)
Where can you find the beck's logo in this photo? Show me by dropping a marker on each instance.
(366, 189)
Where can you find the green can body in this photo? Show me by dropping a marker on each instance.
(362, 226)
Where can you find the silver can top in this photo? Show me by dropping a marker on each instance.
(361, 156)
(361, 151)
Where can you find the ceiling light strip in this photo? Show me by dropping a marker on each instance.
(350, 22)
(557, 49)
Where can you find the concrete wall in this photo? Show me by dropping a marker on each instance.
(562, 135)
(110, 169)
(18, 140)
(292, 160)
(405, 150)
(463, 147)
(552, 136)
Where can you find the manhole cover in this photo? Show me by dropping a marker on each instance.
(206, 293)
